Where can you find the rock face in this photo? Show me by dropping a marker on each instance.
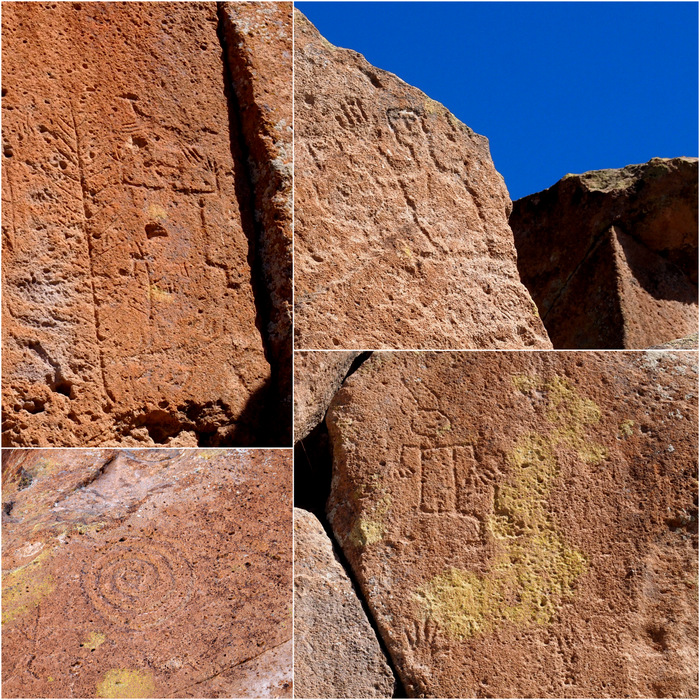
(317, 376)
(110, 588)
(258, 38)
(336, 651)
(401, 220)
(524, 524)
(129, 313)
(620, 269)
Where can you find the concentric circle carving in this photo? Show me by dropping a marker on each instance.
(139, 583)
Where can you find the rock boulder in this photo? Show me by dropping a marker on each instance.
(401, 220)
(611, 256)
(335, 649)
(146, 573)
(524, 524)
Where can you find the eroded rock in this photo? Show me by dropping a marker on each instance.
(146, 573)
(524, 524)
(611, 256)
(401, 220)
(129, 313)
(258, 39)
(317, 376)
(335, 649)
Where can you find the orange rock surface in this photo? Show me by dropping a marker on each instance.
(401, 220)
(129, 313)
(611, 256)
(524, 524)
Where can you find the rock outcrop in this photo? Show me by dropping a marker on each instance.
(129, 240)
(146, 573)
(524, 524)
(611, 256)
(336, 651)
(401, 220)
(317, 376)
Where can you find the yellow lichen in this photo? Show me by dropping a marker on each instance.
(366, 532)
(535, 569)
(155, 211)
(94, 641)
(433, 106)
(626, 428)
(369, 528)
(126, 683)
(25, 587)
(158, 294)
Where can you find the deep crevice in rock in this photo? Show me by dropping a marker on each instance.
(313, 470)
(273, 430)
(276, 425)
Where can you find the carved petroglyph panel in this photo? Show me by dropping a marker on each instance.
(492, 505)
(129, 230)
(140, 583)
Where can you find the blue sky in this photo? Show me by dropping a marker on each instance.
(557, 88)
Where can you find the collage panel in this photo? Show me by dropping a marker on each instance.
(497, 524)
(406, 233)
(147, 234)
(155, 573)
(312, 389)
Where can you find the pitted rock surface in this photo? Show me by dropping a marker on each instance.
(524, 524)
(401, 220)
(258, 38)
(336, 652)
(129, 314)
(146, 573)
(611, 256)
(317, 376)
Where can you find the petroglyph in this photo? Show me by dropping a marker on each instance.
(140, 583)
(492, 503)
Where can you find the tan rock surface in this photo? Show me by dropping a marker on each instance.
(258, 38)
(336, 652)
(611, 256)
(401, 230)
(129, 314)
(317, 376)
(524, 524)
(146, 573)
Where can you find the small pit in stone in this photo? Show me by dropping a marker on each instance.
(154, 229)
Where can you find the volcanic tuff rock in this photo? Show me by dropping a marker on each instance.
(335, 649)
(110, 588)
(317, 376)
(129, 314)
(524, 524)
(401, 220)
(258, 38)
(611, 256)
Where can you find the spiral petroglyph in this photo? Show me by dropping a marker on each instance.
(139, 583)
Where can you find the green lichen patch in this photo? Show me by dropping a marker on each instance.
(126, 683)
(25, 587)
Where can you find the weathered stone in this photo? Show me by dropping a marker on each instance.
(524, 524)
(401, 220)
(129, 313)
(336, 651)
(317, 376)
(688, 343)
(611, 256)
(146, 573)
(258, 38)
